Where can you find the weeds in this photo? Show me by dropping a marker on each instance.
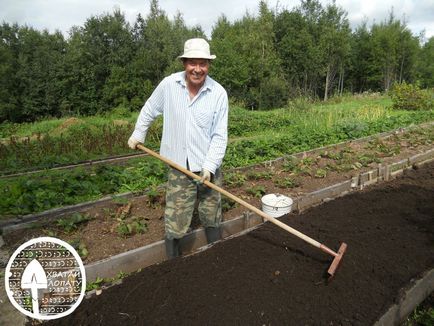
(100, 282)
(97, 284)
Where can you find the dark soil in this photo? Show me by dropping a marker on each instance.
(270, 277)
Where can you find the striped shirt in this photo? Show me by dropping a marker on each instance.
(193, 129)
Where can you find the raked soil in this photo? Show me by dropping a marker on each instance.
(270, 277)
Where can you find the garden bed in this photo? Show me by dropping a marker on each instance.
(269, 277)
(113, 227)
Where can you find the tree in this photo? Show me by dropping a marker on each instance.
(9, 96)
(247, 62)
(99, 52)
(335, 45)
(30, 73)
(360, 57)
(391, 49)
(425, 67)
(230, 68)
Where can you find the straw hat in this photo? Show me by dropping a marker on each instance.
(197, 48)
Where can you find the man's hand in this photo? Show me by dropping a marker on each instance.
(206, 175)
(132, 142)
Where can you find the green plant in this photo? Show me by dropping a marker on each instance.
(366, 159)
(421, 317)
(259, 175)
(342, 167)
(99, 282)
(95, 284)
(71, 223)
(410, 97)
(234, 179)
(130, 227)
(286, 183)
(356, 165)
(300, 103)
(332, 155)
(256, 191)
(121, 275)
(50, 233)
(308, 161)
(289, 164)
(304, 166)
(155, 196)
(80, 247)
(227, 204)
(381, 147)
(320, 173)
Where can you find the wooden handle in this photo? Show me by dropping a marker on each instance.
(240, 201)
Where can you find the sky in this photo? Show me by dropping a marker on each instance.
(63, 14)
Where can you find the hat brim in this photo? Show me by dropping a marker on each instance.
(197, 56)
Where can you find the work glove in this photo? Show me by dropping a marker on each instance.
(205, 175)
(132, 142)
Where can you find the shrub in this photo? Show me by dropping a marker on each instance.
(410, 97)
(273, 93)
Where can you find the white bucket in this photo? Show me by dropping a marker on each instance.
(276, 205)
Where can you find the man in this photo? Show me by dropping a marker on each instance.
(195, 115)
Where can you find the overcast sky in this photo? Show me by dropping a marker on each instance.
(63, 14)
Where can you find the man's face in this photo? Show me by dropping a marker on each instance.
(196, 71)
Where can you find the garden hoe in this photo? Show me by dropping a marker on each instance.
(337, 255)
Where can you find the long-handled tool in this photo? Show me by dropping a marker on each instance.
(337, 255)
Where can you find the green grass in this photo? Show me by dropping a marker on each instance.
(423, 315)
(48, 126)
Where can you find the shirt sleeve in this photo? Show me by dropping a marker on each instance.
(152, 109)
(219, 136)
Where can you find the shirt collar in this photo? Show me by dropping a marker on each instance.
(180, 78)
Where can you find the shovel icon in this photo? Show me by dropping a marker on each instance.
(34, 278)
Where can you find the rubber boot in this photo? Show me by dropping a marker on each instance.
(173, 248)
(212, 234)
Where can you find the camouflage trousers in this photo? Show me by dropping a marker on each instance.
(182, 192)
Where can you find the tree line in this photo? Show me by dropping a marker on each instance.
(263, 60)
